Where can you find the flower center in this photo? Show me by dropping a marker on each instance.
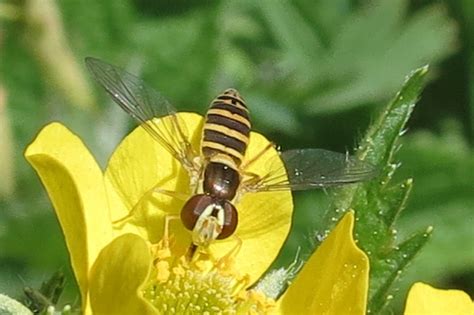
(201, 286)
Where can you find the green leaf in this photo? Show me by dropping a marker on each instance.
(379, 202)
(35, 300)
(283, 18)
(272, 115)
(385, 201)
(379, 144)
(442, 196)
(53, 288)
(48, 294)
(384, 272)
(366, 68)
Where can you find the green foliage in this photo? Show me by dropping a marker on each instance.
(378, 203)
(382, 202)
(47, 295)
(466, 9)
(180, 56)
(442, 197)
(326, 63)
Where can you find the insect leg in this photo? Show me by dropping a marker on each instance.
(252, 180)
(246, 164)
(148, 194)
(120, 222)
(195, 252)
(174, 194)
(161, 250)
(227, 261)
(166, 228)
(191, 251)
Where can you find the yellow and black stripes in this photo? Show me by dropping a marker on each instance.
(227, 127)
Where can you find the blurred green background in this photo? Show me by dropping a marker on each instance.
(314, 74)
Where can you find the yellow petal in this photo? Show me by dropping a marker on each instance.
(74, 183)
(426, 300)
(118, 275)
(264, 218)
(141, 163)
(334, 280)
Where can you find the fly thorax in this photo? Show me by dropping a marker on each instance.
(221, 180)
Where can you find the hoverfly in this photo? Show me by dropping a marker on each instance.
(217, 175)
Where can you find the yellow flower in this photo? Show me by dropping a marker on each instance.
(128, 268)
(426, 300)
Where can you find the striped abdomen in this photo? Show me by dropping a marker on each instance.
(227, 127)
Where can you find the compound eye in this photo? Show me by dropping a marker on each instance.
(193, 209)
(230, 221)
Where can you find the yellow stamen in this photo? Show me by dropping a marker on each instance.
(202, 285)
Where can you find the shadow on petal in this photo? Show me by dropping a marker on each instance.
(118, 275)
(334, 280)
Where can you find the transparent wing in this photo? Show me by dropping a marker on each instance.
(143, 103)
(311, 168)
